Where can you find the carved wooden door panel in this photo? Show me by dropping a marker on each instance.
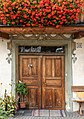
(30, 73)
(53, 82)
(44, 76)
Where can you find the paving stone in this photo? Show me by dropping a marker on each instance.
(26, 114)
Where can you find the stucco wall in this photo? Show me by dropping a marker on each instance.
(5, 68)
(6, 71)
(78, 67)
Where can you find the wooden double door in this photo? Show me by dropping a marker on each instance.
(44, 76)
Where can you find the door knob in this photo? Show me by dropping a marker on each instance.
(30, 65)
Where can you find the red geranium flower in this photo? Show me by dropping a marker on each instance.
(43, 13)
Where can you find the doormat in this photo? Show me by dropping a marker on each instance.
(49, 113)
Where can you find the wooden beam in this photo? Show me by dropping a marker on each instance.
(4, 35)
(78, 34)
(77, 88)
(44, 30)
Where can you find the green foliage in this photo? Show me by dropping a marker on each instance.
(7, 106)
(21, 88)
(13, 0)
(3, 114)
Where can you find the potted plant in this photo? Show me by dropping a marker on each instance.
(22, 91)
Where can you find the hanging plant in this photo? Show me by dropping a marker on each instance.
(40, 13)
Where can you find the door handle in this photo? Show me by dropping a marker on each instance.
(30, 65)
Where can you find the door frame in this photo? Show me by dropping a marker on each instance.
(46, 42)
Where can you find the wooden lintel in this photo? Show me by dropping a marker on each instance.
(4, 35)
(44, 30)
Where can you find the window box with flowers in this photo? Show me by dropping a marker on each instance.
(40, 14)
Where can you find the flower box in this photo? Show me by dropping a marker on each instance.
(41, 14)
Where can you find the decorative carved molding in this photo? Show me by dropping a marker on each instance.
(74, 57)
(41, 37)
(9, 47)
(76, 31)
(9, 57)
(73, 46)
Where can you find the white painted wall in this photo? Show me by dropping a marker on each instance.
(78, 68)
(6, 71)
(5, 68)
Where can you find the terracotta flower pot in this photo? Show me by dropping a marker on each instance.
(22, 104)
